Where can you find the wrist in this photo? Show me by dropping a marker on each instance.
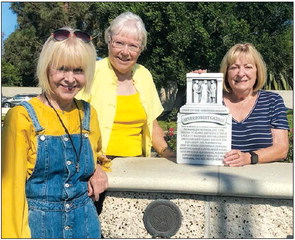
(254, 157)
(168, 153)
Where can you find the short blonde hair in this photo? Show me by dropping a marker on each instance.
(247, 49)
(127, 23)
(72, 53)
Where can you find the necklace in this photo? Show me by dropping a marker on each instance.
(67, 131)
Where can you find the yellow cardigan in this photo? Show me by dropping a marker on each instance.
(104, 94)
(19, 150)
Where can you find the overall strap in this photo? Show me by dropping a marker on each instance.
(86, 119)
(32, 115)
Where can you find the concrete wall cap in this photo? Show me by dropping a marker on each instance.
(271, 180)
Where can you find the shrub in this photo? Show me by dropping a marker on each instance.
(169, 126)
(290, 152)
(170, 137)
(291, 138)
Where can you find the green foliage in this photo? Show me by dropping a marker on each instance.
(291, 136)
(290, 118)
(183, 36)
(9, 75)
(170, 131)
(36, 20)
(278, 81)
(171, 138)
(291, 146)
(23, 58)
(165, 125)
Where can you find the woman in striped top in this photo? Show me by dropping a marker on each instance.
(259, 122)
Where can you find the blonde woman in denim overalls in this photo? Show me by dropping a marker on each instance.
(50, 147)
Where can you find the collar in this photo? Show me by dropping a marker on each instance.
(114, 76)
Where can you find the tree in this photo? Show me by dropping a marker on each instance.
(10, 75)
(272, 34)
(21, 50)
(35, 23)
(182, 36)
(189, 35)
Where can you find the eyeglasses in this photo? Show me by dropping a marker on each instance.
(121, 45)
(63, 34)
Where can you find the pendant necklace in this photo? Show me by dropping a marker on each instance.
(67, 131)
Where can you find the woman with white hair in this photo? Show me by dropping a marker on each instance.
(125, 95)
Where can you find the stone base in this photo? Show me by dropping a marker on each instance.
(202, 216)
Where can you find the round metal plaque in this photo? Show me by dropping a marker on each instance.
(162, 218)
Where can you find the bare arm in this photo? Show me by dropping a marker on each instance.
(277, 152)
(159, 143)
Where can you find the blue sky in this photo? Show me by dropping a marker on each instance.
(8, 20)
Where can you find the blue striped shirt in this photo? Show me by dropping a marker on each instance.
(254, 132)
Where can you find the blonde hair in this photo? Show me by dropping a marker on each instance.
(127, 23)
(248, 50)
(72, 53)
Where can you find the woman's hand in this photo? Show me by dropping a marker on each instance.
(168, 153)
(236, 158)
(277, 152)
(199, 71)
(98, 183)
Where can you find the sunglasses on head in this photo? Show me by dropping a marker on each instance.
(63, 34)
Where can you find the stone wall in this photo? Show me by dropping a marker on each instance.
(254, 201)
(11, 91)
(203, 216)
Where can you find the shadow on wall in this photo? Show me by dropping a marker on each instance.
(225, 213)
(236, 217)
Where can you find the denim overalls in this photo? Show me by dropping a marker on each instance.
(59, 206)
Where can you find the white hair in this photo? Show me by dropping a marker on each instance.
(127, 23)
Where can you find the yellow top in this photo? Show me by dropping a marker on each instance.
(126, 136)
(19, 150)
(103, 98)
